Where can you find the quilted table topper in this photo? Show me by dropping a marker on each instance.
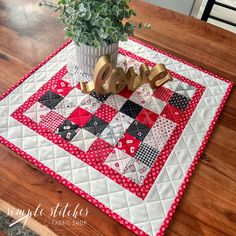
(130, 154)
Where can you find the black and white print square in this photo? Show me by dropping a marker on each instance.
(50, 99)
(146, 154)
(95, 125)
(138, 130)
(67, 130)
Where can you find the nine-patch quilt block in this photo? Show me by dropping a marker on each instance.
(129, 154)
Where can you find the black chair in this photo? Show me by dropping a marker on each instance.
(208, 9)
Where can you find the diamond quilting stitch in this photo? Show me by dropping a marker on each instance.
(62, 88)
(52, 120)
(185, 90)
(80, 116)
(136, 171)
(90, 104)
(128, 144)
(172, 113)
(146, 154)
(173, 85)
(106, 112)
(155, 105)
(99, 151)
(116, 128)
(76, 97)
(109, 136)
(142, 94)
(160, 133)
(95, 125)
(122, 122)
(112, 131)
(50, 99)
(116, 101)
(67, 130)
(164, 125)
(147, 117)
(83, 139)
(179, 101)
(37, 112)
(138, 130)
(163, 194)
(66, 107)
(118, 160)
(131, 109)
(163, 93)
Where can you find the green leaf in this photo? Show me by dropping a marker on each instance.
(83, 39)
(107, 22)
(96, 44)
(81, 7)
(95, 22)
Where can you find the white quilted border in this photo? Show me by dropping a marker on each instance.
(148, 214)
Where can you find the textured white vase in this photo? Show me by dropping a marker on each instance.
(88, 56)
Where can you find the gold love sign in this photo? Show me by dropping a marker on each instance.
(107, 80)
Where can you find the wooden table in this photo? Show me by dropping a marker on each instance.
(28, 34)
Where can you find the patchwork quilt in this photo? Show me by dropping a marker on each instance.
(130, 154)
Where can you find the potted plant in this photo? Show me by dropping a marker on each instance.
(96, 27)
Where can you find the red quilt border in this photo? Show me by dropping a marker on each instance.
(142, 190)
(80, 192)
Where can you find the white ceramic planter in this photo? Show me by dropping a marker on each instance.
(87, 56)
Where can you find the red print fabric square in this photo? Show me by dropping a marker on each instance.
(126, 93)
(147, 117)
(61, 87)
(172, 113)
(99, 151)
(163, 93)
(128, 144)
(80, 116)
(105, 112)
(52, 120)
(78, 86)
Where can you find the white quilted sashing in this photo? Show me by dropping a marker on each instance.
(149, 214)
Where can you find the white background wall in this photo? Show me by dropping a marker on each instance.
(182, 6)
(196, 8)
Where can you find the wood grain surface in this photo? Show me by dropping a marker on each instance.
(28, 34)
